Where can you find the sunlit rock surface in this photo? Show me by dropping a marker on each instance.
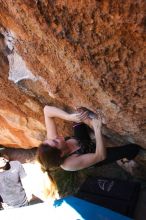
(68, 53)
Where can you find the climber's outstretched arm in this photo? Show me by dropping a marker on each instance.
(50, 112)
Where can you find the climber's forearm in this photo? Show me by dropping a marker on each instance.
(52, 112)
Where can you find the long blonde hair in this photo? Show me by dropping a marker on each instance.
(49, 159)
(50, 187)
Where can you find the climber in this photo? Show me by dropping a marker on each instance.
(79, 151)
(12, 184)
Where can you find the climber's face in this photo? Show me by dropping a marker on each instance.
(58, 143)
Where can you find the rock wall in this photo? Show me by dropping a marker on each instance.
(71, 53)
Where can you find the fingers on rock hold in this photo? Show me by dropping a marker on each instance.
(91, 115)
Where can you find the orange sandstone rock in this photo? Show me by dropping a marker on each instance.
(71, 53)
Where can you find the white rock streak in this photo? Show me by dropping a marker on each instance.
(17, 67)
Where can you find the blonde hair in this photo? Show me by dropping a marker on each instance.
(50, 187)
(49, 159)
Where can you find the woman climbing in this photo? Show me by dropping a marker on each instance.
(80, 150)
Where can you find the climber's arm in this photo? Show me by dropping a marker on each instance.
(51, 112)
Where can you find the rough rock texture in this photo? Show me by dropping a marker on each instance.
(71, 53)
